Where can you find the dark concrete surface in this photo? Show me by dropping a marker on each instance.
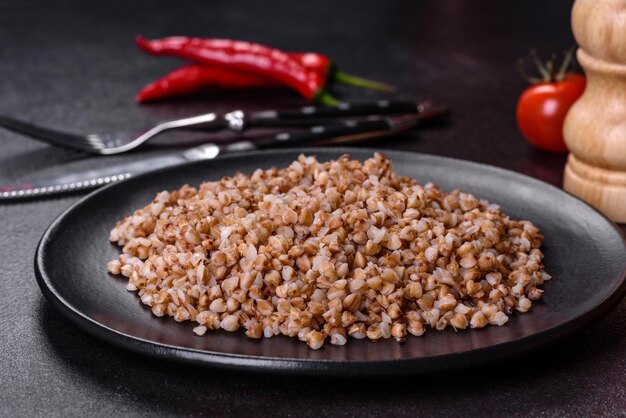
(73, 65)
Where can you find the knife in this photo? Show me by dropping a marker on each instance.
(346, 131)
(303, 116)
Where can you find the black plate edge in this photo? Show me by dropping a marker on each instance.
(323, 367)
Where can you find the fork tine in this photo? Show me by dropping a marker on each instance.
(37, 132)
(108, 143)
(52, 137)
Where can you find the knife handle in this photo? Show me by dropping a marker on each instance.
(340, 131)
(380, 107)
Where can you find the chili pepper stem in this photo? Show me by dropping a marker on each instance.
(325, 98)
(340, 77)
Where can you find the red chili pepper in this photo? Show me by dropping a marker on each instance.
(245, 57)
(194, 78)
(321, 63)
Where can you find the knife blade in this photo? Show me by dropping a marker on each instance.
(346, 131)
(91, 179)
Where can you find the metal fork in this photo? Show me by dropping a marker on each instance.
(237, 120)
(118, 142)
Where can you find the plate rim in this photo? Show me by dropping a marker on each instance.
(305, 366)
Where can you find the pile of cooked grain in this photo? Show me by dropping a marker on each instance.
(329, 250)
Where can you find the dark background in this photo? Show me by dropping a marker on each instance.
(73, 65)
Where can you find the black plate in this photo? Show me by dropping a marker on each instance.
(584, 252)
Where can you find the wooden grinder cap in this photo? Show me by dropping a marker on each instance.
(595, 127)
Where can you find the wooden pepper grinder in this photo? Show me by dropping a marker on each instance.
(595, 127)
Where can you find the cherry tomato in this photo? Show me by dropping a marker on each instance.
(541, 111)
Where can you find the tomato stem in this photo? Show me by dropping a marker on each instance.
(542, 69)
(547, 70)
(567, 61)
(550, 68)
(522, 71)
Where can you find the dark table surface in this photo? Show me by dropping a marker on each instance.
(74, 65)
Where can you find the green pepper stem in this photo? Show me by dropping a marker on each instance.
(326, 98)
(343, 78)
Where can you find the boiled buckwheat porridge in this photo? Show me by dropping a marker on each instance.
(328, 251)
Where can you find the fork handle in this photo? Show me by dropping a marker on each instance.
(208, 121)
